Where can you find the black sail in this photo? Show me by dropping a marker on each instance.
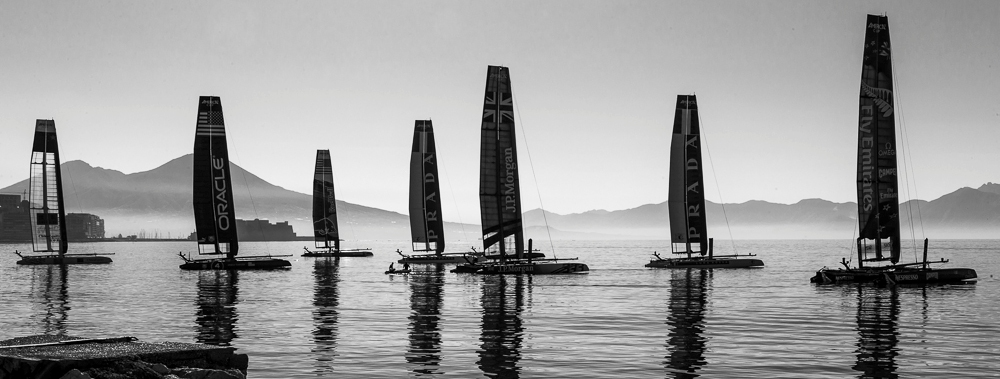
(426, 225)
(214, 214)
(48, 214)
(324, 203)
(499, 185)
(686, 198)
(878, 189)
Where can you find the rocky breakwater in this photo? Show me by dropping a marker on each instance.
(58, 357)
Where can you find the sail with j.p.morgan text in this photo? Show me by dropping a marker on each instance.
(48, 217)
(499, 185)
(878, 195)
(214, 216)
(324, 203)
(426, 225)
(686, 199)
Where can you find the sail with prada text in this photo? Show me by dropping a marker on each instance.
(48, 216)
(499, 185)
(878, 189)
(324, 203)
(686, 199)
(214, 216)
(426, 225)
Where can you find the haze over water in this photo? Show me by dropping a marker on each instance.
(347, 319)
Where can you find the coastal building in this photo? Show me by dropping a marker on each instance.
(83, 226)
(15, 222)
(264, 230)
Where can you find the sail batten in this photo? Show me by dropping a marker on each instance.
(686, 197)
(214, 210)
(324, 215)
(877, 184)
(499, 183)
(426, 223)
(47, 212)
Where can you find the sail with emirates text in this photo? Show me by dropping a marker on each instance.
(214, 216)
(499, 186)
(686, 199)
(48, 217)
(324, 203)
(878, 195)
(426, 225)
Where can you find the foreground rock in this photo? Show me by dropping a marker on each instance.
(58, 357)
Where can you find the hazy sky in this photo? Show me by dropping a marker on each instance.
(594, 83)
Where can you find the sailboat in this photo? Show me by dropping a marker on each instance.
(214, 210)
(48, 214)
(426, 223)
(686, 199)
(500, 192)
(878, 188)
(325, 233)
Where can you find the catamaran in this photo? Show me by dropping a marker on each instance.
(214, 210)
(48, 214)
(426, 223)
(878, 188)
(325, 233)
(686, 199)
(500, 192)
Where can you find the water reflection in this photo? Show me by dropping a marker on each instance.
(503, 301)
(52, 290)
(426, 297)
(878, 332)
(686, 322)
(326, 272)
(216, 307)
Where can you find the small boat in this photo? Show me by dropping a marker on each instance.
(214, 210)
(48, 214)
(500, 192)
(877, 183)
(686, 199)
(426, 218)
(400, 272)
(325, 233)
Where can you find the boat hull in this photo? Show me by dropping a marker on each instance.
(706, 263)
(363, 253)
(946, 275)
(394, 272)
(827, 276)
(445, 259)
(236, 264)
(523, 256)
(61, 260)
(543, 268)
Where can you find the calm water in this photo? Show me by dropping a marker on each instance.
(347, 319)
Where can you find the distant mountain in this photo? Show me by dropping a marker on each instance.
(159, 200)
(965, 213)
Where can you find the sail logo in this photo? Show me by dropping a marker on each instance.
(888, 195)
(220, 185)
(878, 27)
(883, 172)
(865, 160)
(882, 97)
(510, 181)
(210, 102)
(887, 152)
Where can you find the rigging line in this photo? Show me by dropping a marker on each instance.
(347, 212)
(717, 186)
(911, 173)
(457, 212)
(260, 228)
(533, 177)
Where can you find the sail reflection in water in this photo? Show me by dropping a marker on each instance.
(50, 285)
(326, 299)
(216, 315)
(503, 301)
(878, 331)
(426, 298)
(686, 322)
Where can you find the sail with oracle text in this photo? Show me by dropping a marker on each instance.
(215, 219)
